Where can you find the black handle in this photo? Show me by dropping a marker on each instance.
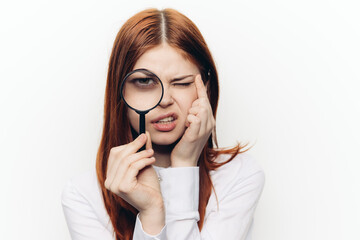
(142, 127)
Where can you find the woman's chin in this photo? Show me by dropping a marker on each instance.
(164, 142)
(166, 139)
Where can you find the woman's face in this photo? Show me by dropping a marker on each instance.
(166, 122)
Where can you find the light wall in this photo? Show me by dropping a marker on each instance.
(289, 76)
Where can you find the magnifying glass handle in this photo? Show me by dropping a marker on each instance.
(142, 127)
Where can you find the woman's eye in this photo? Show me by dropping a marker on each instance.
(185, 84)
(144, 82)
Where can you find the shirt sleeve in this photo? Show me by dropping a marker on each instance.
(140, 234)
(232, 220)
(234, 217)
(81, 220)
(180, 190)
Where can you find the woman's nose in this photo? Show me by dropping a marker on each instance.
(167, 98)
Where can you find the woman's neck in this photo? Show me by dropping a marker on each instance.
(162, 154)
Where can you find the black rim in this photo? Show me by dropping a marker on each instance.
(151, 73)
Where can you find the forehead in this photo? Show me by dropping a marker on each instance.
(166, 62)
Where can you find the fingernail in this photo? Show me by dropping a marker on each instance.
(149, 150)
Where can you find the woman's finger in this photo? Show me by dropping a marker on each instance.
(113, 155)
(122, 151)
(194, 110)
(148, 141)
(135, 145)
(193, 130)
(195, 103)
(121, 166)
(200, 87)
(130, 179)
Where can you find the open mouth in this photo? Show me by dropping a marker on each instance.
(165, 123)
(166, 120)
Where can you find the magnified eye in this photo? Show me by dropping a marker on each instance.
(144, 82)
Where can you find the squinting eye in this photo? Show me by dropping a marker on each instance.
(183, 84)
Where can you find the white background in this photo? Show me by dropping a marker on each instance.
(289, 75)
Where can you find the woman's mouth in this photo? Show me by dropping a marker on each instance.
(165, 123)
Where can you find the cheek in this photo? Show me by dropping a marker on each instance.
(185, 99)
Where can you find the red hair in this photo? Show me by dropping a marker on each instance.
(141, 32)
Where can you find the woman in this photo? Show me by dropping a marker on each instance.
(181, 186)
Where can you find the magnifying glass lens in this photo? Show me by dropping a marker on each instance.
(142, 90)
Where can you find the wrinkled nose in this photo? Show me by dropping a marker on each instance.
(167, 99)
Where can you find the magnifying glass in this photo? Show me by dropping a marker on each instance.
(142, 91)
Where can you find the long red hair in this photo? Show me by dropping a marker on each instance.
(141, 32)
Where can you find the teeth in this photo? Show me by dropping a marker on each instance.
(166, 120)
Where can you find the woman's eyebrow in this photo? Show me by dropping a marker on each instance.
(181, 78)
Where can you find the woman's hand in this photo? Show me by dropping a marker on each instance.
(200, 123)
(131, 176)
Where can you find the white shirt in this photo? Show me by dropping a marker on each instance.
(238, 185)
